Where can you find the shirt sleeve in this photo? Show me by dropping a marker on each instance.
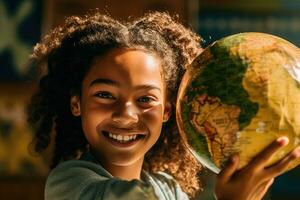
(117, 189)
(84, 182)
(171, 188)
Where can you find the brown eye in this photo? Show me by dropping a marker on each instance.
(104, 95)
(145, 99)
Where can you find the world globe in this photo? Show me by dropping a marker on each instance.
(240, 94)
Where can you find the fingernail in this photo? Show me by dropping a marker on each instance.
(283, 140)
(233, 158)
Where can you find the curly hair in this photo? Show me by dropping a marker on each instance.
(69, 51)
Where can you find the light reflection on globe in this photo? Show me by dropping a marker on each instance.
(238, 96)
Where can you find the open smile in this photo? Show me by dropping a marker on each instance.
(122, 140)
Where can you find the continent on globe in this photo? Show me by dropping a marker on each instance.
(241, 93)
(218, 121)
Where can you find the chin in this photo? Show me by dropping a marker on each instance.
(123, 162)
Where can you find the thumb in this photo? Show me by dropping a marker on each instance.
(226, 174)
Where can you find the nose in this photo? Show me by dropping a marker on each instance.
(125, 115)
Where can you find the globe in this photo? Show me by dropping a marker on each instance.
(240, 94)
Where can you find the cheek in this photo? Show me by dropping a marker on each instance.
(91, 116)
(153, 118)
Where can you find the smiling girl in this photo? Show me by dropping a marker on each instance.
(109, 90)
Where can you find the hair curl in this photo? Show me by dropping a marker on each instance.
(68, 52)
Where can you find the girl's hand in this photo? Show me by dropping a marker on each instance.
(253, 181)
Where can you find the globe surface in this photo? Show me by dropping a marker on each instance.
(240, 94)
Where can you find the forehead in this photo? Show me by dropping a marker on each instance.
(129, 67)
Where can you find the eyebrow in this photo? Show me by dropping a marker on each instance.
(104, 81)
(116, 84)
(147, 87)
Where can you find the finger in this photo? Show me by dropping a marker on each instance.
(281, 166)
(263, 188)
(228, 171)
(262, 158)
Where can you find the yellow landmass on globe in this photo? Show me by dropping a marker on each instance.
(277, 93)
(218, 122)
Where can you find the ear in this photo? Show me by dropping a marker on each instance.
(75, 105)
(167, 111)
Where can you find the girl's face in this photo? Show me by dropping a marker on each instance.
(123, 105)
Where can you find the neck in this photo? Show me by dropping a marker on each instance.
(128, 171)
(125, 172)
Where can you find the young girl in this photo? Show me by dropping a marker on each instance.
(109, 91)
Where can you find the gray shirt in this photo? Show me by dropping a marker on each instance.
(86, 180)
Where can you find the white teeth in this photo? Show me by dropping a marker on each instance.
(121, 138)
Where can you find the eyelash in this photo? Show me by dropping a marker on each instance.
(105, 95)
(145, 97)
(109, 96)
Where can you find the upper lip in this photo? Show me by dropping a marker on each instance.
(124, 132)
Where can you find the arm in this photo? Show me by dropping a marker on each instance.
(253, 181)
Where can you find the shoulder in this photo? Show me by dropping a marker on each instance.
(81, 167)
(79, 179)
(164, 184)
(163, 179)
(72, 178)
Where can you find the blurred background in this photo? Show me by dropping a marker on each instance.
(24, 22)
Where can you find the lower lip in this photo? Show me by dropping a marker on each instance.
(121, 144)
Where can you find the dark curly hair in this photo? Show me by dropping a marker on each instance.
(68, 52)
